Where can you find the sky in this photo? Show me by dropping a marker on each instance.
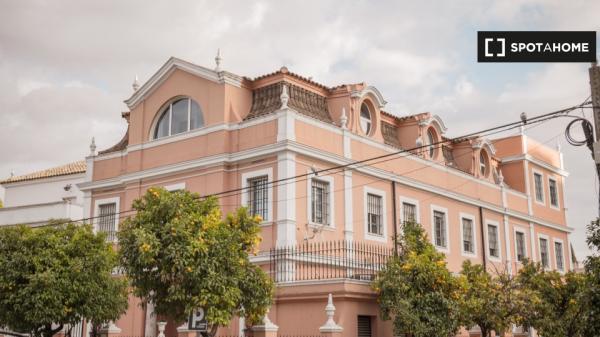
(67, 66)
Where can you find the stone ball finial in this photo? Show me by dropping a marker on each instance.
(284, 70)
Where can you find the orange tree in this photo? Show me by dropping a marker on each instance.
(180, 254)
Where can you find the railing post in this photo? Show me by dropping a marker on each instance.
(330, 328)
(110, 330)
(266, 329)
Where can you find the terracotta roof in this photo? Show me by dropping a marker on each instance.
(267, 100)
(71, 168)
(284, 70)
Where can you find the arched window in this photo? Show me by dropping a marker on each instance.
(483, 162)
(365, 118)
(179, 116)
(431, 140)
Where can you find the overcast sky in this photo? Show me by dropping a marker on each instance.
(66, 66)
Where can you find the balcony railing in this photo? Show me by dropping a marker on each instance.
(328, 260)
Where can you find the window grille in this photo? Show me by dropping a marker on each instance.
(493, 240)
(364, 326)
(468, 246)
(258, 199)
(544, 253)
(374, 214)
(439, 219)
(539, 192)
(520, 239)
(410, 212)
(320, 202)
(553, 193)
(107, 220)
(558, 252)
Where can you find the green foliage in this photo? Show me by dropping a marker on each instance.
(493, 302)
(592, 271)
(557, 303)
(1, 204)
(57, 274)
(417, 291)
(180, 254)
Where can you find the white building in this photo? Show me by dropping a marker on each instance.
(37, 197)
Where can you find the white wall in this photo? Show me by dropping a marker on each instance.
(41, 191)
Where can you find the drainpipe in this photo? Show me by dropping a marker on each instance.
(394, 218)
(483, 252)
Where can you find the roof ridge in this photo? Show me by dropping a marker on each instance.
(66, 169)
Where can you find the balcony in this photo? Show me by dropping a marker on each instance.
(39, 214)
(327, 261)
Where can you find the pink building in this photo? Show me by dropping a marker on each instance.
(189, 127)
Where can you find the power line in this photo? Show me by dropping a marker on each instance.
(385, 157)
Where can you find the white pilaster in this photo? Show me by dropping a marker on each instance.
(348, 207)
(533, 254)
(286, 199)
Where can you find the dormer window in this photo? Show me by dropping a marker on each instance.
(483, 163)
(365, 118)
(431, 140)
(179, 116)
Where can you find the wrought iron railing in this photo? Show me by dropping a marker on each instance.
(328, 260)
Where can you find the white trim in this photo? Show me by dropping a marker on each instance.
(244, 195)
(348, 206)
(562, 244)
(436, 122)
(487, 240)
(369, 236)
(331, 211)
(100, 202)
(517, 229)
(471, 217)
(544, 236)
(415, 202)
(175, 187)
(444, 210)
(543, 201)
(374, 92)
(555, 207)
(286, 202)
(527, 157)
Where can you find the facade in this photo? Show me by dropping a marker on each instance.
(36, 197)
(329, 226)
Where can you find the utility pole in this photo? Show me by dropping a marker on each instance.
(595, 91)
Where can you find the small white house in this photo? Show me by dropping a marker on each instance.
(37, 197)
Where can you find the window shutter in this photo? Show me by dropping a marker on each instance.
(364, 326)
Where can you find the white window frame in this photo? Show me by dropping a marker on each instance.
(562, 243)
(543, 188)
(244, 195)
(517, 229)
(105, 201)
(175, 187)
(413, 202)
(329, 180)
(548, 242)
(444, 210)
(487, 240)
(471, 217)
(369, 236)
(557, 206)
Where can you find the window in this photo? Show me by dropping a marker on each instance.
(558, 254)
(553, 192)
(364, 326)
(374, 214)
(107, 218)
(468, 236)
(520, 246)
(483, 162)
(179, 116)
(539, 189)
(409, 211)
(258, 200)
(320, 202)
(365, 118)
(431, 141)
(494, 245)
(439, 229)
(545, 259)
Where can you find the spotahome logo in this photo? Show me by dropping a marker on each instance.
(536, 46)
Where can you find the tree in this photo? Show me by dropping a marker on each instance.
(557, 303)
(592, 272)
(493, 302)
(180, 254)
(417, 290)
(57, 274)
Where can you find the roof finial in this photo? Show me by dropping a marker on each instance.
(136, 83)
(12, 173)
(285, 97)
(330, 325)
(344, 119)
(558, 147)
(93, 147)
(218, 60)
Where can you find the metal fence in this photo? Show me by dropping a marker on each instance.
(328, 260)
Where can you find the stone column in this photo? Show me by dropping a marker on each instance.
(110, 330)
(330, 328)
(266, 329)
